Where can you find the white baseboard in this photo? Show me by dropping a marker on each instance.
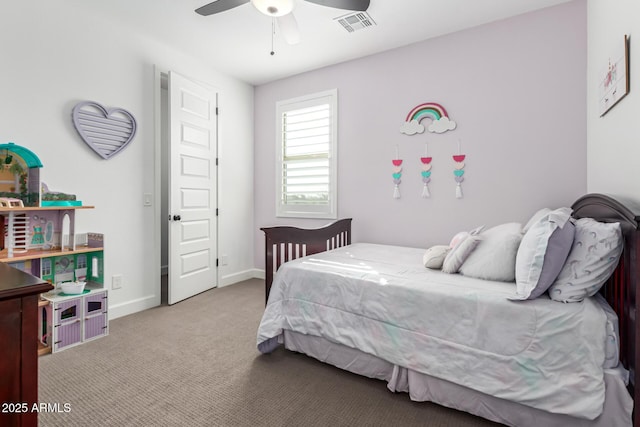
(230, 279)
(130, 307)
(150, 301)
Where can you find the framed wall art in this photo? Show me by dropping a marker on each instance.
(614, 77)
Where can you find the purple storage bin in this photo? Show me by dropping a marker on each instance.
(95, 315)
(67, 334)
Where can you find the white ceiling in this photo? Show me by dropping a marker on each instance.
(238, 41)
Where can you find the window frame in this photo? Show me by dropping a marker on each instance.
(324, 211)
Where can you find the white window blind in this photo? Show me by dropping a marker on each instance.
(306, 176)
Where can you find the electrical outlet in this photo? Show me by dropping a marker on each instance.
(116, 281)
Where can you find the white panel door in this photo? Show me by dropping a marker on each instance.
(192, 188)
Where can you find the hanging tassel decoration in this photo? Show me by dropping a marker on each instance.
(425, 191)
(397, 174)
(458, 191)
(458, 171)
(426, 176)
(426, 172)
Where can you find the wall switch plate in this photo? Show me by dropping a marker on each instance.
(147, 199)
(224, 259)
(116, 281)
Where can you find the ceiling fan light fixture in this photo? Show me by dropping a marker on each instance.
(273, 8)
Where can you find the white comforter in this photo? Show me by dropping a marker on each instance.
(381, 300)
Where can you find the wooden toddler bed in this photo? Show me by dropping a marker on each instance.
(509, 403)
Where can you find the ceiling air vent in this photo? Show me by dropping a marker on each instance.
(355, 21)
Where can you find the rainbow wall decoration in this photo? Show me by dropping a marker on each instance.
(440, 121)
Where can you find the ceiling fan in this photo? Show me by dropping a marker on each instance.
(281, 11)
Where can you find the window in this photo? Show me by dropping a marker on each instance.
(46, 267)
(307, 156)
(81, 261)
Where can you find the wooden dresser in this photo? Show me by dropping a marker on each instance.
(19, 296)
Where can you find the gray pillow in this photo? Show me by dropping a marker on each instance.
(542, 253)
(596, 249)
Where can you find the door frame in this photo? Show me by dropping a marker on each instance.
(161, 74)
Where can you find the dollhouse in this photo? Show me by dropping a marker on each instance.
(19, 174)
(37, 236)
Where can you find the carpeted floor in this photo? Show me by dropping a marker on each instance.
(195, 364)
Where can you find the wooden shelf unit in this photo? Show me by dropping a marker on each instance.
(18, 233)
(37, 254)
(43, 208)
(43, 349)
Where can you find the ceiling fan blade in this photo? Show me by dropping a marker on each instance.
(359, 5)
(289, 28)
(219, 6)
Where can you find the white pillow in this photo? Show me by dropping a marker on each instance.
(463, 235)
(542, 253)
(435, 255)
(596, 249)
(456, 256)
(535, 218)
(495, 256)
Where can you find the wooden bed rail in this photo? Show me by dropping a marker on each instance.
(620, 290)
(284, 244)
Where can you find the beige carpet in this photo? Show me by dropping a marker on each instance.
(196, 364)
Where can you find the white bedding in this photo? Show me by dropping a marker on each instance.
(618, 404)
(382, 301)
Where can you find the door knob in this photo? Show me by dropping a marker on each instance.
(176, 218)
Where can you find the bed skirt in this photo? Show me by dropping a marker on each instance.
(617, 411)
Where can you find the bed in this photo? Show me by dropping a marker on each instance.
(364, 308)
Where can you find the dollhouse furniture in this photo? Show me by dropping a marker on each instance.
(10, 202)
(37, 236)
(19, 295)
(20, 174)
(74, 320)
(49, 253)
(363, 307)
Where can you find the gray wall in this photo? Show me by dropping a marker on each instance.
(517, 90)
(613, 142)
